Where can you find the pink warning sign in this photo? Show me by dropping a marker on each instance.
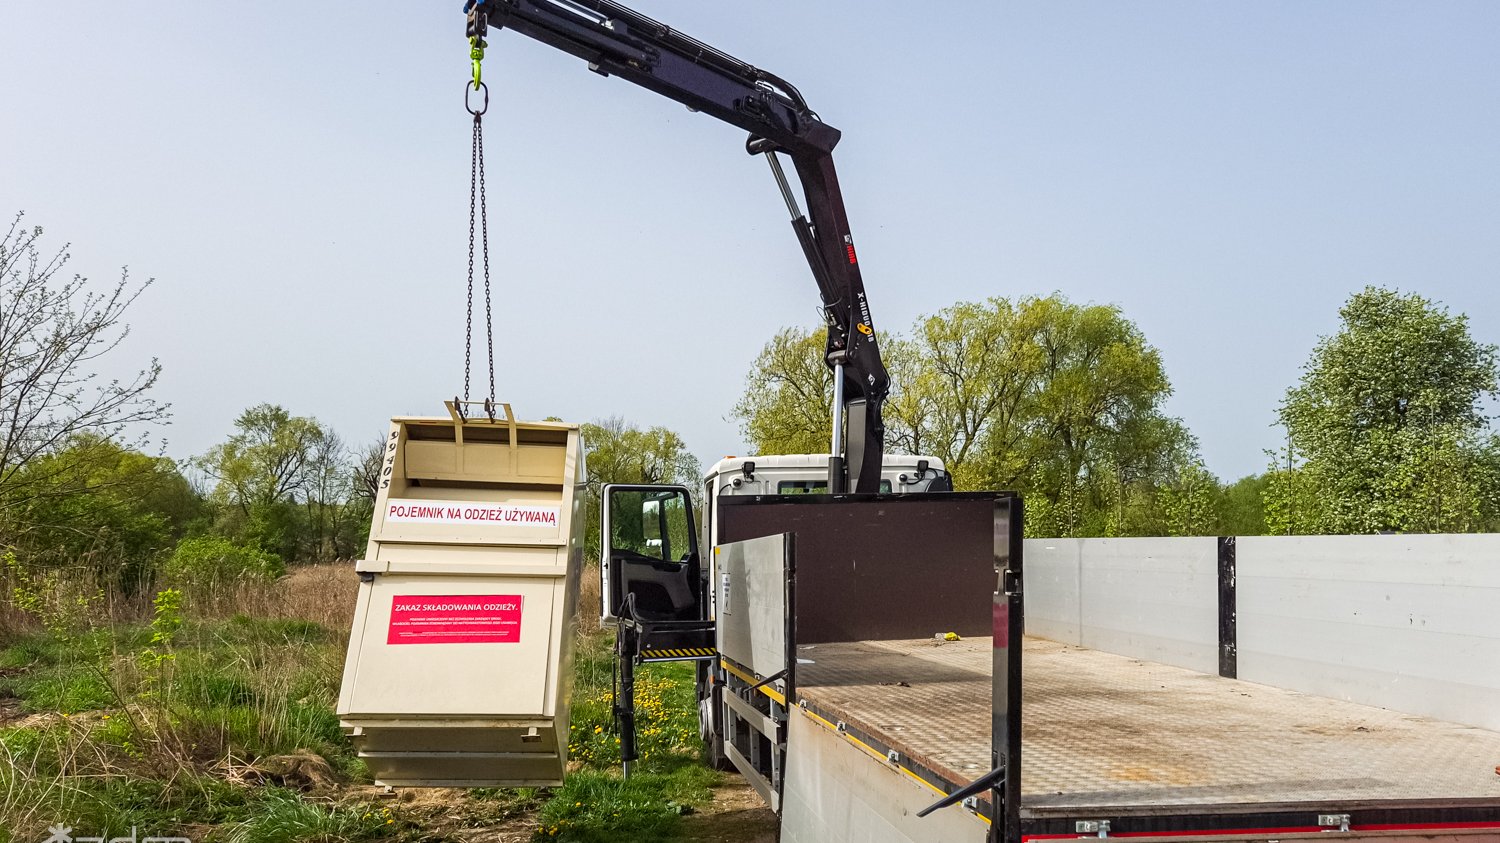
(455, 619)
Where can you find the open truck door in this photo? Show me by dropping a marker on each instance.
(653, 588)
(650, 565)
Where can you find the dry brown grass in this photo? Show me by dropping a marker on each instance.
(78, 593)
(323, 593)
(588, 600)
(13, 621)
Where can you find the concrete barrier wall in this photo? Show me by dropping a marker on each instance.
(1153, 599)
(1052, 572)
(1410, 623)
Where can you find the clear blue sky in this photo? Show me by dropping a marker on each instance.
(294, 175)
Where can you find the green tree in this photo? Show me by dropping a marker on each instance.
(53, 333)
(286, 484)
(101, 506)
(1190, 503)
(1242, 508)
(336, 509)
(966, 383)
(1057, 400)
(1097, 434)
(788, 403)
(616, 451)
(210, 562)
(1386, 429)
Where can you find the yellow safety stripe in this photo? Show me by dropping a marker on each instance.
(679, 653)
(764, 689)
(880, 756)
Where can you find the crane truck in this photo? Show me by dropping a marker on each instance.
(859, 629)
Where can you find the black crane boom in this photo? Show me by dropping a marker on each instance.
(618, 41)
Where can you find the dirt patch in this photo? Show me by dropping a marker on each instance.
(736, 815)
(454, 814)
(10, 711)
(14, 716)
(304, 771)
(522, 833)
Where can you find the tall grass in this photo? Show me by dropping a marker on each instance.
(120, 718)
(322, 594)
(104, 712)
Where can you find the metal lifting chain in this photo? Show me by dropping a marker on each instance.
(477, 199)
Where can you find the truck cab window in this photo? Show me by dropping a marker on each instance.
(654, 525)
(815, 487)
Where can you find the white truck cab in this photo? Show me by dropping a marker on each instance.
(807, 474)
(651, 562)
(658, 567)
(801, 474)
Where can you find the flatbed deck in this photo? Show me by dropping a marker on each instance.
(1113, 735)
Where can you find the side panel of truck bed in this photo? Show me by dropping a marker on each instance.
(838, 791)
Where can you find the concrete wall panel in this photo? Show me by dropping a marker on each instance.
(1410, 623)
(1147, 598)
(1052, 570)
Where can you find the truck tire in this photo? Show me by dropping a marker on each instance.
(711, 728)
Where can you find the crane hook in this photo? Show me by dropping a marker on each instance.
(477, 27)
(476, 55)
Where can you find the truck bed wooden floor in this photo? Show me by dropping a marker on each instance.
(1106, 731)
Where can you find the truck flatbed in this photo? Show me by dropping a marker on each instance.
(1106, 735)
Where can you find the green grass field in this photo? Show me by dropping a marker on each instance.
(219, 726)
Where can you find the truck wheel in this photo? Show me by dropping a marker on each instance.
(711, 729)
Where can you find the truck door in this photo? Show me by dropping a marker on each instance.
(651, 567)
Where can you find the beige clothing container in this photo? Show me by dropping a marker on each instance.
(460, 658)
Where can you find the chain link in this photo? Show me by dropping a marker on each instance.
(484, 234)
(469, 309)
(477, 199)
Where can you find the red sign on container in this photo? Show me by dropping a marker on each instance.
(455, 619)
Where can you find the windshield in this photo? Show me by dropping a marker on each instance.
(814, 487)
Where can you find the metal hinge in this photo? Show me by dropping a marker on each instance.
(1099, 828)
(1010, 582)
(1329, 821)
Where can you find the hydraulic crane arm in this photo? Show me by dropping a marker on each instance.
(618, 41)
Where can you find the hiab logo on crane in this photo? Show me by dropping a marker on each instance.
(471, 512)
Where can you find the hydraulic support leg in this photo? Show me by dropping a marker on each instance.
(625, 650)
